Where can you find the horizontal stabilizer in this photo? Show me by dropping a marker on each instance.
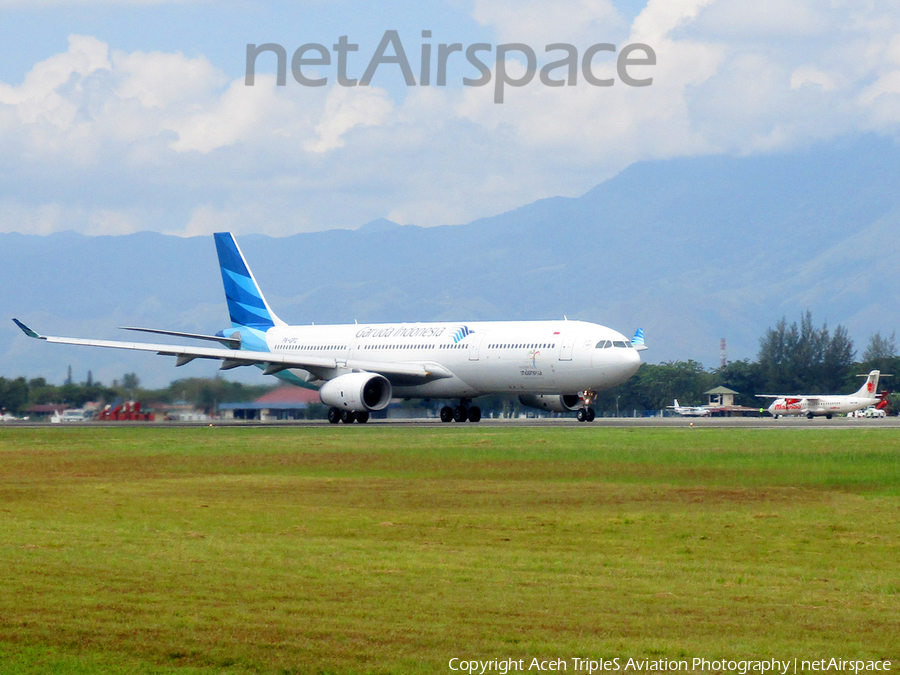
(233, 342)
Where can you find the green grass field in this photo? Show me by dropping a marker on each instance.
(391, 550)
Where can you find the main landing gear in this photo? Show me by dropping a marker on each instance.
(347, 416)
(461, 413)
(586, 412)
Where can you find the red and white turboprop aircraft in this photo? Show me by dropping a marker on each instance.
(812, 406)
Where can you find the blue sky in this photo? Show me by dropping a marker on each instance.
(123, 116)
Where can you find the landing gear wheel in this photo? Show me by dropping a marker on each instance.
(334, 415)
(347, 416)
(591, 414)
(362, 417)
(582, 415)
(446, 414)
(809, 415)
(460, 413)
(474, 414)
(828, 416)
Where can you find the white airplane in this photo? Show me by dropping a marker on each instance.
(556, 366)
(689, 410)
(812, 406)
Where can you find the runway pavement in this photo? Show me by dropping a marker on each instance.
(599, 423)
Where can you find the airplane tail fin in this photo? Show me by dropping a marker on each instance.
(870, 386)
(676, 403)
(246, 305)
(638, 340)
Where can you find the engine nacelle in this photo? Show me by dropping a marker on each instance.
(552, 403)
(359, 392)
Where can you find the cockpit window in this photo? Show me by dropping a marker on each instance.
(618, 343)
(603, 344)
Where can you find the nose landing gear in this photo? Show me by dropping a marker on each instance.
(586, 412)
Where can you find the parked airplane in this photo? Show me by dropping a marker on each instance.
(552, 365)
(689, 410)
(812, 406)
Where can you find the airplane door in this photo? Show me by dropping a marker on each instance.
(475, 346)
(568, 344)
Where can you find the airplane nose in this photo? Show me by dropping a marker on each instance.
(627, 363)
(634, 361)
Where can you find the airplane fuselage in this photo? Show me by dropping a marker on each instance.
(477, 358)
(822, 405)
(558, 366)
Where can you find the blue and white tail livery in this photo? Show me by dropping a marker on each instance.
(246, 304)
(358, 368)
(638, 340)
(248, 310)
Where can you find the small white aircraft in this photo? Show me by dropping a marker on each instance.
(689, 410)
(827, 406)
(556, 366)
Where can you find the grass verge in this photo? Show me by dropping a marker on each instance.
(375, 549)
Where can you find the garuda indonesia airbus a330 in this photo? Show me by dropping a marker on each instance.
(358, 368)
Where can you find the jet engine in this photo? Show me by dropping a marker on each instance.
(358, 392)
(552, 403)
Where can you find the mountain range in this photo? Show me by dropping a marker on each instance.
(692, 250)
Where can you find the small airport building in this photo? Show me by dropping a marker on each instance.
(721, 404)
(284, 403)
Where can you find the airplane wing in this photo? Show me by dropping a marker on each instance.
(233, 358)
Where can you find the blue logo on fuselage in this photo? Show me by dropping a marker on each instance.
(461, 333)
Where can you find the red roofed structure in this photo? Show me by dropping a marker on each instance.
(284, 403)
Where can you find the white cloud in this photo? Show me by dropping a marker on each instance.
(538, 23)
(160, 80)
(767, 19)
(52, 90)
(345, 109)
(661, 17)
(113, 141)
(33, 4)
(40, 219)
(809, 76)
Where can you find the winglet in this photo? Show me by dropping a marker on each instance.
(25, 329)
(638, 340)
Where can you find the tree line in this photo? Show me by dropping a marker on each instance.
(17, 395)
(799, 357)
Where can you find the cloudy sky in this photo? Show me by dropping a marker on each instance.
(121, 116)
